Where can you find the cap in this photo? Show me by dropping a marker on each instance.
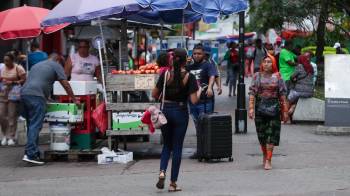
(336, 45)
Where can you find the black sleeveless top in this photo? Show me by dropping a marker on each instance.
(178, 94)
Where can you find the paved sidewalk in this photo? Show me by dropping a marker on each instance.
(304, 164)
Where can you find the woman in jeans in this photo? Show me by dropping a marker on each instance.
(180, 86)
(10, 76)
(268, 91)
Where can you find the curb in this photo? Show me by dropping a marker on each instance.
(335, 131)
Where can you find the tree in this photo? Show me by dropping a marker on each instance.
(268, 14)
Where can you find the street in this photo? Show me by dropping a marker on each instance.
(304, 164)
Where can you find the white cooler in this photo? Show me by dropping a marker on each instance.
(78, 87)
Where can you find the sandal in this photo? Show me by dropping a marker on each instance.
(161, 179)
(174, 188)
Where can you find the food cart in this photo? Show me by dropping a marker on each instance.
(124, 117)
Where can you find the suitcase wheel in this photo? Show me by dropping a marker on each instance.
(230, 159)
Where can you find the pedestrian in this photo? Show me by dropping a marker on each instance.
(180, 86)
(277, 47)
(163, 62)
(266, 93)
(82, 66)
(232, 59)
(228, 44)
(12, 77)
(34, 94)
(259, 53)
(303, 84)
(208, 58)
(338, 48)
(205, 74)
(287, 64)
(249, 54)
(36, 55)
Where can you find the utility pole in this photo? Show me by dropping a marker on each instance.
(241, 111)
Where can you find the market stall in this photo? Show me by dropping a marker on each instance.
(124, 115)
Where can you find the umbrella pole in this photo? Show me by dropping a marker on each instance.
(183, 29)
(104, 43)
(27, 53)
(161, 35)
(102, 72)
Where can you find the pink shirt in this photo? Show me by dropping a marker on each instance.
(83, 68)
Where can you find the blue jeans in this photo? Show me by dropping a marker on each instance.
(173, 136)
(200, 108)
(232, 81)
(34, 112)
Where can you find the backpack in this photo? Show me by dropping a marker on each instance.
(234, 56)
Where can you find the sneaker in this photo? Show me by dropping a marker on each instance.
(36, 161)
(10, 142)
(4, 141)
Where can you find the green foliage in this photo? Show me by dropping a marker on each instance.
(327, 50)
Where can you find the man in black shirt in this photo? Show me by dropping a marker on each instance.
(205, 74)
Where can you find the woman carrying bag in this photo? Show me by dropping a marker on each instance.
(12, 77)
(179, 87)
(267, 99)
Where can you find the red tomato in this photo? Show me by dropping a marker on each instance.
(115, 71)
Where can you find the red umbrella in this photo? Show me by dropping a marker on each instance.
(24, 22)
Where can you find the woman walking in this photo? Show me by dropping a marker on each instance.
(12, 76)
(267, 96)
(180, 86)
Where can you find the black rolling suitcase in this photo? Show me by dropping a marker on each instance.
(214, 137)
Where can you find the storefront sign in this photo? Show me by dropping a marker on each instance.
(337, 90)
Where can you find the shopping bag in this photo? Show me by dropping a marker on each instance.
(100, 117)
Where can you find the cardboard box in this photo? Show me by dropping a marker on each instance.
(122, 157)
(64, 112)
(127, 120)
(79, 88)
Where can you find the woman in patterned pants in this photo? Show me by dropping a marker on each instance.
(267, 96)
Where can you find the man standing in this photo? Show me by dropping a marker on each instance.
(35, 56)
(34, 94)
(259, 53)
(287, 63)
(205, 74)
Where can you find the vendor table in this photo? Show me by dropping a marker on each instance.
(117, 87)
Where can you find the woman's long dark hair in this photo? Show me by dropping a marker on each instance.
(180, 57)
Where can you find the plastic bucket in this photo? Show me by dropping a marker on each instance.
(60, 137)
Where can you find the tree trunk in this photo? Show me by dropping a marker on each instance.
(321, 29)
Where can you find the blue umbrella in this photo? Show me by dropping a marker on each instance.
(212, 9)
(153, 11)
(75, 11)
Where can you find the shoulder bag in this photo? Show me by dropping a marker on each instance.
(15, 92)
(268, 107)
(157, 117)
